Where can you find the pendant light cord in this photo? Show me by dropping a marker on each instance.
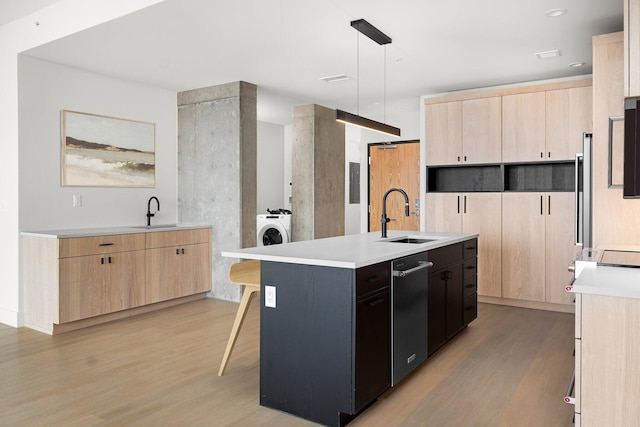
(384, 89)
(358, 74)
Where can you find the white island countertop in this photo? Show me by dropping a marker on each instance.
(350, 251)
(607, 280)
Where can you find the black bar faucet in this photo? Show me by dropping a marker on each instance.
(149, 214)
(384, 220)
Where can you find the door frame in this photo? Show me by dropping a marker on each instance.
(377, 144)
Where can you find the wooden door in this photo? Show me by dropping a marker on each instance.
(394, 166)
(523, 246)
(523, 127)
(444, 133)
(560, 248)
(482, 214)
(481, 130)
(569, 113)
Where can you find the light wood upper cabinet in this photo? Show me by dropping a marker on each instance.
(464, 132)
(632, 47)
(444, 133)
(481, 138)
(615, 219)
(569, 113)
(523, 127)
(473, 213)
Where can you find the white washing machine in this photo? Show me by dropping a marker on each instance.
(273, 229)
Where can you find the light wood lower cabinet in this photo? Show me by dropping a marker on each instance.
(537, 245)
(472, 213)
(76, 282)
(174, 272)
(99, 284)
(608, 361)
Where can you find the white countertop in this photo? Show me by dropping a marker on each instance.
(350, 251)
(103, 231)
(606, 280)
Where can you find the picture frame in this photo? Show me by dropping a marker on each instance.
(104, 151)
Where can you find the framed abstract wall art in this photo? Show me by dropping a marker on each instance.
(102, 151)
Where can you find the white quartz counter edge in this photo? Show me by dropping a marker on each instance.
(88, 232)
(609, 281)
(350, 251)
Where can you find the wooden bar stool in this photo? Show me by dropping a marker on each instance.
(245, 273)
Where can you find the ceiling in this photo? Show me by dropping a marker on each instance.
(286, 46)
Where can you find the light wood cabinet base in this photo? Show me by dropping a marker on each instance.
(563, 308)
(92, 321)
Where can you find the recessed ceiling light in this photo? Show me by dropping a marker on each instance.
(554, 13)
(336, 78)
(548, 54)
(576, 64)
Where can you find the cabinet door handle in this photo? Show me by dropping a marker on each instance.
(102, 260)
(465, 204)
(549, 154)
(109, 260)
(458, 158)
(549, 206)
(471, 267)
(470, 286)
(105, 244)
(458, 204)
(541, 155)
(541, 212)
(177, 251)
(182, 251)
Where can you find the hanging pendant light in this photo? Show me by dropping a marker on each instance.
(381, 38)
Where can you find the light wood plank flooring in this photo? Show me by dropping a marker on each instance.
(510, 367)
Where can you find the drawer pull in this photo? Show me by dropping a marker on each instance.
(109, 260)
(182, 251)
(101, 260)
(105, 244)
(470, 248)
(471, 267)
(177, 251)
(470, 286)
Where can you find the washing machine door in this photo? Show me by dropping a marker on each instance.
(272, 234)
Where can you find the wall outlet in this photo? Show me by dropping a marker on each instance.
(270, 296)
(77, 200)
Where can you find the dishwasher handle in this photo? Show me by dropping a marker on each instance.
(421, 265)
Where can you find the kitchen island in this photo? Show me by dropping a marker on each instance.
(328, 316)
(607, 331)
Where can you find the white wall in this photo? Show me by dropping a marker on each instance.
(353, 148)
(44, 90)
(270, 167)
(60, 19)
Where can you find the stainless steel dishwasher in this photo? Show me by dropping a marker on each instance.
(409, 316)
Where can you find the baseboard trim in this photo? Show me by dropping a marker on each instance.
(11, 318)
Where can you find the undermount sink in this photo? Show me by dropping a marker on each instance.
(157, 226)
(409, 239)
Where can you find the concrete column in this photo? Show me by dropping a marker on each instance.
(217, 140)
(317, 173)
